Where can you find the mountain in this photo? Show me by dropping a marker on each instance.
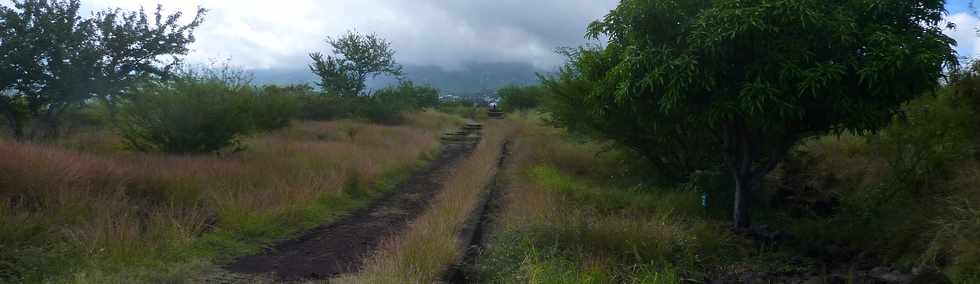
(471, 79)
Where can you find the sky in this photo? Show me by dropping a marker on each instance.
(258, 34)
(264, 34)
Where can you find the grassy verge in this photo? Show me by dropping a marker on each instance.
(572, 217)
(430, 245)
(83, 212)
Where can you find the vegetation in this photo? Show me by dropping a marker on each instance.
(520, 98)
(71, 216)
(355, 58)
(202, 113)
(432, 243)
(711, 84)
(848, 127)
(56, 61)
(573, 216)
(903, 198)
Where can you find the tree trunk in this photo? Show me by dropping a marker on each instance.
(743, 198)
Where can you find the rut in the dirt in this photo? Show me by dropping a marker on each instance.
(341, 247)
(477, 229)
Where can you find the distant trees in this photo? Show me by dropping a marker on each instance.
(517, 98)
(55, 60)
(747, 80)
(356, 57)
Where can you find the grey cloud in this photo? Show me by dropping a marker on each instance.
(279, 34)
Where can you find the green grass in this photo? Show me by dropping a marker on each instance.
(573, 216)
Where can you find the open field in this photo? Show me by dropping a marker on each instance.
(90, 216)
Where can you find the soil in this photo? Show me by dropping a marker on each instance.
(342, 246)
(476, 231)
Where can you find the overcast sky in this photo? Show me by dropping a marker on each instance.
(280, 33)
(257, 34)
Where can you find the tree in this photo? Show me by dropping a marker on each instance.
(574, 100)
(519, 97)
(751, 78)
(56, 60)
(356, 57)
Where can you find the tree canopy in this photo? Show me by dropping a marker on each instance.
(355, 58)
(55, 60)
(747, 79)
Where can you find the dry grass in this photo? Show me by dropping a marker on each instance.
(102, 213)
(431, 243)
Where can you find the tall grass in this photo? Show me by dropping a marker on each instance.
(431, 244)
(571, 218)
(71, 216)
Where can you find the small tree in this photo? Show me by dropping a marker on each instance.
(751, 78)
(356, 57)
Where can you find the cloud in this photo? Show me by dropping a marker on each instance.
(259, 34)
(280, 34)
(965, 33)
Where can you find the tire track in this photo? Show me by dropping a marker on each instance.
(341, 247)
(477, 229)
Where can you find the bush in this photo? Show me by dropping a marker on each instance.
(384, 106)
(188, 116)
(201, 114)
(519, 98)
(272, 107)
(324, 108)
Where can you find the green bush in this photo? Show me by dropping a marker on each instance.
(189, 116)
(384, 106)
(520, 98)
(201, 114)
(324, 108)
(272, 107)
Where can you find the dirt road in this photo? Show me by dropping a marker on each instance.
(341, 247)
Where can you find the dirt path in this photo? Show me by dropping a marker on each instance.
(341, 247)
(477, 229)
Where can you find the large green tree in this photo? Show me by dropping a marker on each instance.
(751, 78)
(355, 58)
(56, 60)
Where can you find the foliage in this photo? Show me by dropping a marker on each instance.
(356, 57)
(273, 107)
(204, 111)
(325, 108)
(519, 98)
(58, 60)
(673, 149)
(384, 106)
(188, 116)
(748, 79)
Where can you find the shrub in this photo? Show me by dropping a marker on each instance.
(384, 106)
(272, 107)
(188, 116)
(519, 98)
(325, 108)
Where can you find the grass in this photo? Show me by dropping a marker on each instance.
(571, 218)
(431, 243)
(83, 211)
